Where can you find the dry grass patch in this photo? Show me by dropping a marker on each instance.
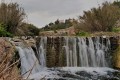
(8, 68)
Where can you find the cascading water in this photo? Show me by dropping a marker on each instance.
(80, 54)
(42, 51)
(31, 63)
(28, 61)
(70, 49)
(89, 53)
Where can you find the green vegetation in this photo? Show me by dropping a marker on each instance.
(116, 29)
(117, 3)
(99, 19)
(105, 18)
(29, 30)
(3, 31)
(116, 57)
(12, 16)
(82, 33)
(12, 21)
(59, 25)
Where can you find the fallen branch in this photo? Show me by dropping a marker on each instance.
(9, 67)
(31, 70)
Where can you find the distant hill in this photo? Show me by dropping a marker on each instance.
(59, 24)
(60, 32)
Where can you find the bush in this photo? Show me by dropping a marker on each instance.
(82, 33)
(59, 25)
(55, 31)
(3, 31)
(116, 30)
(15, 16)
(100, 19)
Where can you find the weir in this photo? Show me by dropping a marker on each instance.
(28, 60)
(86, 52)
(73, 51)
(65, 52)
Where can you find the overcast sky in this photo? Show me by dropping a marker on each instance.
(42, 12)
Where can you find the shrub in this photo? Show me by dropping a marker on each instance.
(116, 30)
(82, 33)
(3, 31)
(12, 15)
(55, 31)
(102, 18)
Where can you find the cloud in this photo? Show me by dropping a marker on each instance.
(42, 12)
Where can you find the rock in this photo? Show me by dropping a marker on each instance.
(85, 75)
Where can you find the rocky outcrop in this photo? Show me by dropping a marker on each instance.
(61, 32)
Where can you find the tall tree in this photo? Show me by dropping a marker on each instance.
(117, 2)
(12, 15)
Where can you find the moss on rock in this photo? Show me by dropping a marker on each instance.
(117, 56)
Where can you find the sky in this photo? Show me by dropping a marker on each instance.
(42, 12)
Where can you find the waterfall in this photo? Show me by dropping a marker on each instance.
(42, 51)
(31, 60)
(77, 56)
(71, 54)
(28, 61)
(89, 52)
(79, 51)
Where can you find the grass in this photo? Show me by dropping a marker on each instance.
(8, 67)
(83, 34)
(116, 30)
(105, 34)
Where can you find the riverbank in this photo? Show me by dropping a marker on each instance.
(8, 64)
(7, 46)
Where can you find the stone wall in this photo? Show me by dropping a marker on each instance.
(56, 57)
(116, 56)
(54, 52)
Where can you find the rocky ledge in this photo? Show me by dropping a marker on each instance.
(77, 73)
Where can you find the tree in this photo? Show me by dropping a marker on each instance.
(102, 18)
(68, 23)
(12, 15)
(33, 29)
(50, 24)
(117, 3)
(59, 25)
(28, 30)
(57, 21)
